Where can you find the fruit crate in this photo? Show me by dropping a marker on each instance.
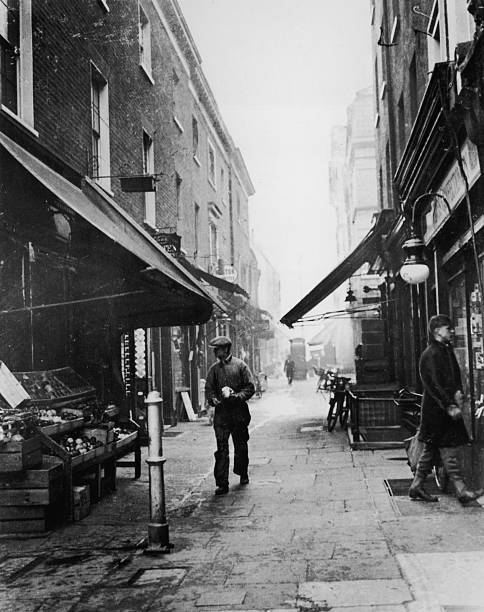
(16, 456)
(126, 440)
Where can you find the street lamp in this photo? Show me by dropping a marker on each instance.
(415, 269)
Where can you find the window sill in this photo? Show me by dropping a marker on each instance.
(105, 189)
(212, 184)
(178, 124)
(12, 116)
(147, 73)
(104, 5)
(150, 224)
(197, 161)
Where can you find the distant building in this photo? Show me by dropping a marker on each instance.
(353, 195)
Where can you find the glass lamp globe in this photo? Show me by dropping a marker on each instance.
(414, 273)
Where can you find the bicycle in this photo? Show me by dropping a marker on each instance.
(338, 403)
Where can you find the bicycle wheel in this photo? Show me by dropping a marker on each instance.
(332, 414)
(343, 415)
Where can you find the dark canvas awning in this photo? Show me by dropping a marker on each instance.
(101, 211)
(364, 252)
(214, 281)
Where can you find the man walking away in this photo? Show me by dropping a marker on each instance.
(442, 427)
(289, 367)
(228, 387)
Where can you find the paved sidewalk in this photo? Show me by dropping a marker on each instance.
(316, 529)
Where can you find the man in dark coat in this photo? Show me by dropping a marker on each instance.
(289, 367)
(228, 386)
(442, 428)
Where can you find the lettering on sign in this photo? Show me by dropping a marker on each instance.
(453, 189)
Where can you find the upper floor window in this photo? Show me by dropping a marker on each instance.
(213, 244)
(222, 182)
(433, 40)
(195, 137)
(196, 221)
(100, 147)
(16, 61)
(211, 164)
(144, 41)
(149, 168)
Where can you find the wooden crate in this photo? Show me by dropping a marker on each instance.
(17, 456)
(30, 502)
(41, 478)
(126, 440)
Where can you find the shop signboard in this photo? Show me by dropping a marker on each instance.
(453, 189)
(171, 242)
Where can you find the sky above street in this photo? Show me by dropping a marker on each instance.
(283, 73)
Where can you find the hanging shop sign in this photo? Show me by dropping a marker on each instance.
(170, 242)
(453, 189)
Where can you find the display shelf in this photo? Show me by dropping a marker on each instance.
(63, 427)
(111, 412)
(120, 443)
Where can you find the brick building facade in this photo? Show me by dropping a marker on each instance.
(96, 95)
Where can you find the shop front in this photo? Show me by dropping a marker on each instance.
(77, 274)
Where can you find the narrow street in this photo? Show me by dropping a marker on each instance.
(316, 529)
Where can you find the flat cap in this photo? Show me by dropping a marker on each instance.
(220, 341)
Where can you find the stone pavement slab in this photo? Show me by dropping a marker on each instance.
(363, 567)
(354, 593)
(445, 578)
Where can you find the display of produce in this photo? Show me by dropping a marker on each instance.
(80, 445)
(54, 418)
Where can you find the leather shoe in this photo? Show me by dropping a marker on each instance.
(221, 490)
(419, 493)
(467, 496)
(244, 480)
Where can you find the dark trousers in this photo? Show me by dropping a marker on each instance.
(450, 459)
(240, 437)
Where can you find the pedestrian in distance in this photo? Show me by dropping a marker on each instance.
(289, 367)
(228, 386)
(442, 428)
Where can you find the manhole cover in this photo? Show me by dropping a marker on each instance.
(398, 487)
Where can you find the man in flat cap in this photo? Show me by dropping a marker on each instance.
(228, 387)
(442, 428)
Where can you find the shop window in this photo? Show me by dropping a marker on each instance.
(144, 41)
(458, 314)
(149, 168)
(100, 161)
(16, 66)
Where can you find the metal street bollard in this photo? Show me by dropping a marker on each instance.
(158, 536)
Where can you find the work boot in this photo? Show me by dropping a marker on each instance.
(222, 490)
(244, 480)
(451, 460)
(417, 491)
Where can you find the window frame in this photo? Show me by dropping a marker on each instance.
(144, 42)
(22, 109)
(100, 139)
(149, 168)
(211, 164)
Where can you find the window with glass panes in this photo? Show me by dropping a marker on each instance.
(9, 53)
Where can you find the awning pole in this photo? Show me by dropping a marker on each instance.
(72, 302)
